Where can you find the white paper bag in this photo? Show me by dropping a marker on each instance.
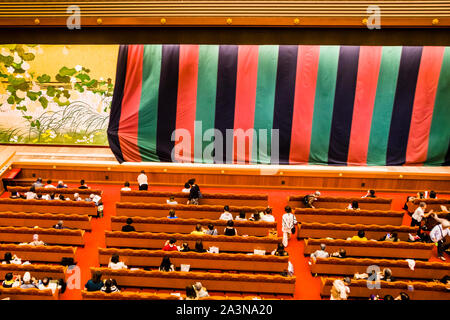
(213, 249)
(185, 267)
(260, 252)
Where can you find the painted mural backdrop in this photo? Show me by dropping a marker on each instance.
(56, 94)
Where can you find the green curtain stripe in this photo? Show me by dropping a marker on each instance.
(206, 98)
(148, 109)
(384, 103)
(264, 102)
(323, 104)
(440, 126)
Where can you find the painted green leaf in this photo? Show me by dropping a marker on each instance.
(63, 79)
(44, 102)
(79, 87)
(51, 91)
(28, 56)
(10, 100)
(83, 77)
(27, 117)
(64, 71)
(33, 95)
(44, 78)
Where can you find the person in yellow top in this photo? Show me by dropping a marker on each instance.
(360, 237)
(198, 230)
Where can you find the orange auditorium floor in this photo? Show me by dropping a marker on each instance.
(307, 286)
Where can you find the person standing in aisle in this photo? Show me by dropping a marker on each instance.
(143, 181)
(289, 222)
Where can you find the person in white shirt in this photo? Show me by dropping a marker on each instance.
(126, 187)
(76, 197)
(340, 289)
(419, 214)
(288, 222)
(438, 234)
(321, 253)
(115, 264)
(241, 216)
(95, 198)
(142, 180)
(187, 188)
(172, 200)
(36, 241)
(49, 185)
(226, 215)
(268, 217)
(31, 194)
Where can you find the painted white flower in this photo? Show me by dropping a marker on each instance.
(63, 99)
(78, 68)
(35, 87)
(19, 76)
(21, 94)
(27, 75)
(17, 59)
(73, 79)
(10, 69)
(101, 79)
(25, 66)
(5, 52)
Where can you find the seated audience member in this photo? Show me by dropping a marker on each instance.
(405, 206)
(190, 293)
(110, 286)
(309, 199)
(255, 216)
(95, 198)
(95, 283)
(61, 197)
(268, 217)
(321, 253)
(360, 236)
(11, 259)
(61, 185)
(170, 245)
(142, 181)
(340, 289)
(386, 275)
(198, 230)
(52, 196)
(171, 200)
(433, 195)
(36, 241)
(226, 215)
(280, 251)
(341, 253)
(194, 192)
(187, 188)
(59, 225)
(9, 281)
(76, 197)
(211, 230)
(28, 282)
(45, 284)
(49, 185)
(185, 247)
(199, 246)
(83, 185)
(241, 216)
(38, 183)
(31, 194)
(388, 297)
(128, 227)
(369, 194)
(15, 195)
(126, 186)
(353, 206)
(420, 195)
(390, 237)
(438, 235)
(166, 265)
(39, 197)
(200, 290)
(230, 230)
(402, 296)
(116, 264)
(172, 215)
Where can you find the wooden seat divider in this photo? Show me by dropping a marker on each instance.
(378, 249)
(28, 294)
(49, 236)
(196, 260)
(150, 224)
(423, 270)
(422, 290)
(45, 220)
(63, 191)
(38, 271)
(43, 254)
(343, 231)
(321, 215)
(149, 240)
(342, 202)
(230, 199)
(225, 282)
(181, 210)
(48, 206)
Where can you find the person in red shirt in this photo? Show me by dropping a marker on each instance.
(170, 245)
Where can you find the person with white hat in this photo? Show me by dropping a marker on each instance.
(36, 241)
(28, 282)
(438, 234)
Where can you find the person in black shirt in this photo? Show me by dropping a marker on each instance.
(199, 246)
(230, 230)
(194, 193)
(128, 227)
(83, 185)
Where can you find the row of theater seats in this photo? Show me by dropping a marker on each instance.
(330, 224)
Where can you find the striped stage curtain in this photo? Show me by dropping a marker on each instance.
(269, 104)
